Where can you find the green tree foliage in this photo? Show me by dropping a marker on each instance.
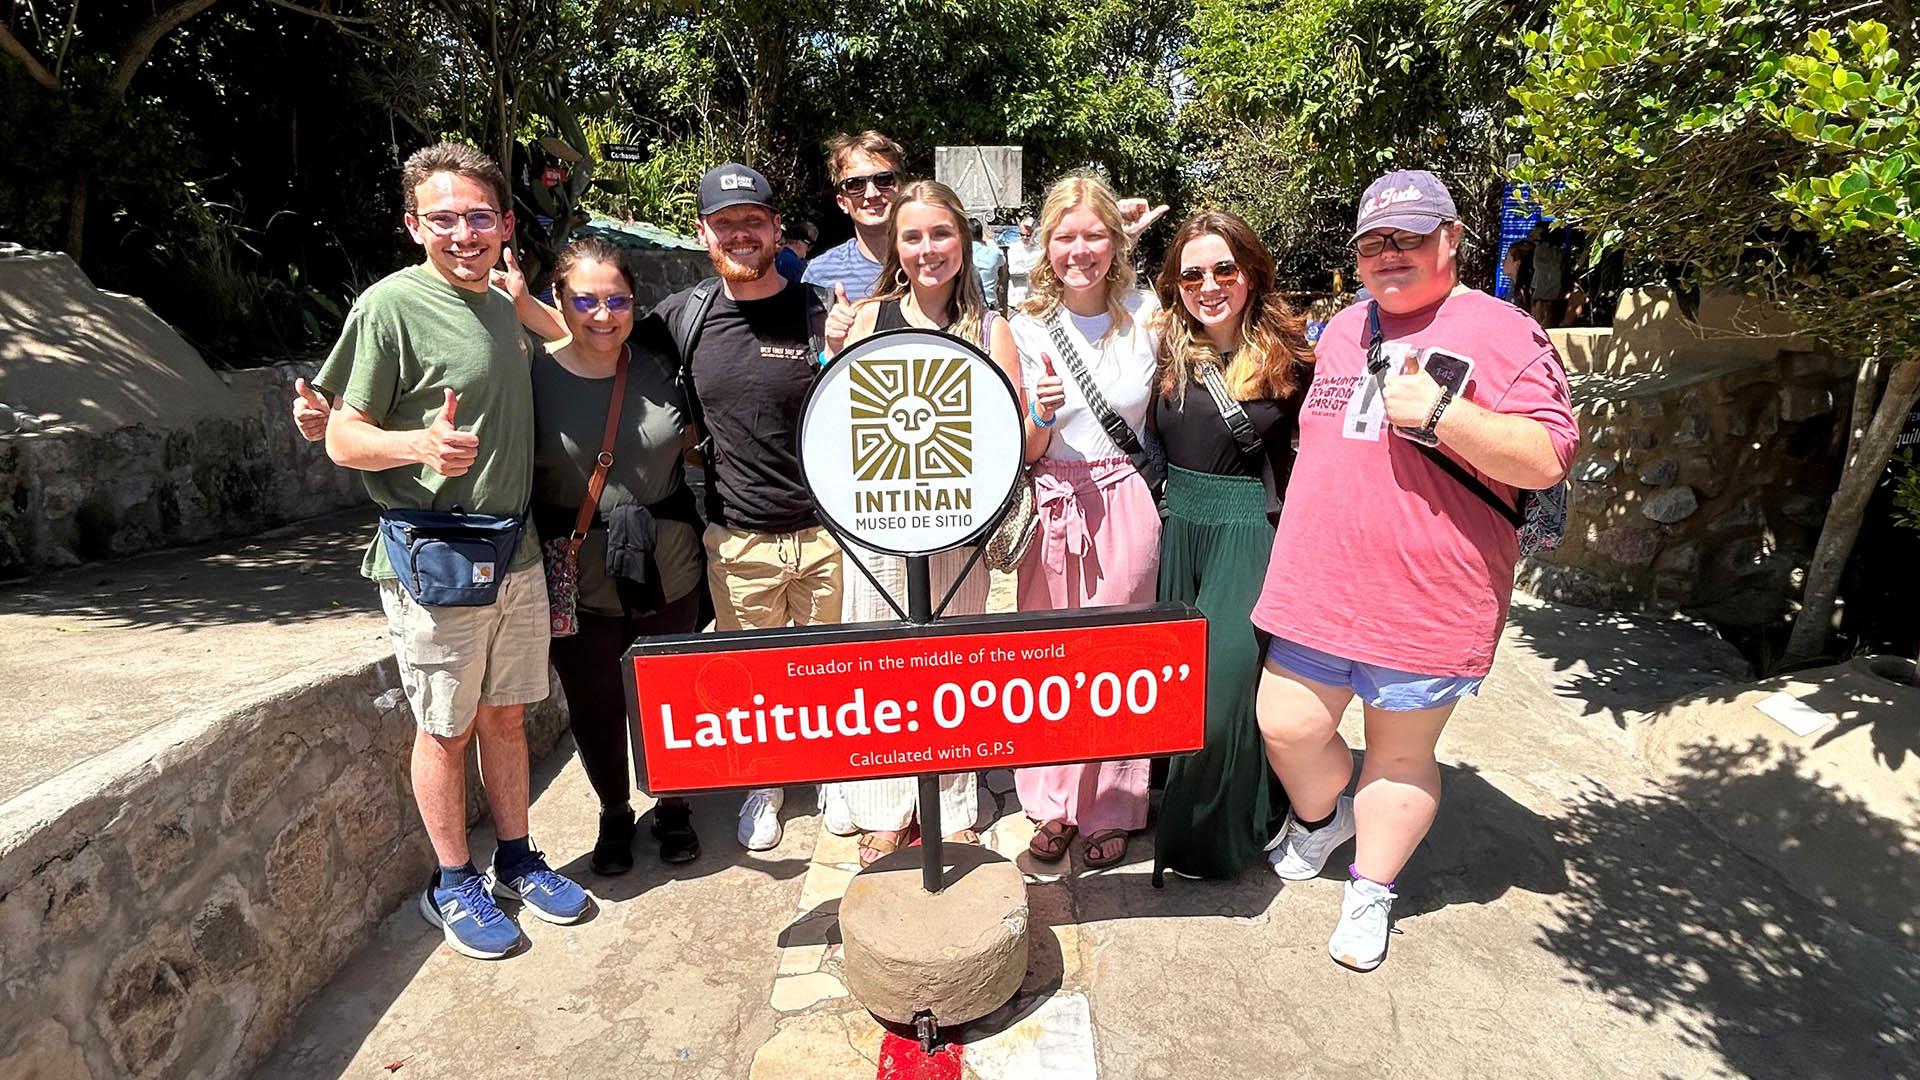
(1783, 164)
(1302, 102)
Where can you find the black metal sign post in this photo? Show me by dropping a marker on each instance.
(920, 611)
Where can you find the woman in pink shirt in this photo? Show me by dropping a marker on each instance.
(1390, 577)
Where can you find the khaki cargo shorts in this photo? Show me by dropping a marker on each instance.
(454, 659)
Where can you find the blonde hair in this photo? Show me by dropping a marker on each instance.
(1273, 337)
(967, 305)
(1065, 196)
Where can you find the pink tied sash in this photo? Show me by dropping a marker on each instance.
(1057, 489)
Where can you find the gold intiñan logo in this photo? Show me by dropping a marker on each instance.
(912, 419)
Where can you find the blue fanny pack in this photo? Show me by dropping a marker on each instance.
(449, 558)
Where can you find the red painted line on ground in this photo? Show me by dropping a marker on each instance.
(901, 1059)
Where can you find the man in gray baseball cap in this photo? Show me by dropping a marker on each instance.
(746, 341)
(733, 185)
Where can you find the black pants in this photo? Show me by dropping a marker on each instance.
(589, 667)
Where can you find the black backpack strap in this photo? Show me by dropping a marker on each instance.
(692, 316)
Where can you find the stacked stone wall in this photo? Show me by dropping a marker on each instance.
(165, 909)
(1701, 490)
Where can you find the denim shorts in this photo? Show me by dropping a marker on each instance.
(1384, 688)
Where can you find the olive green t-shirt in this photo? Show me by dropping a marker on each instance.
(409, 338)
(572, 413)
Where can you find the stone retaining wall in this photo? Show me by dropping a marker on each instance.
(69, 496)
(1702, 489)
(165, 909)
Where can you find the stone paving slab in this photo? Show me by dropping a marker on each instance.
(97, 655)
(1567, 917)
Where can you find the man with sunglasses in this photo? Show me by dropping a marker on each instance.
(866, 170)
(434, 405)
(1390, 575)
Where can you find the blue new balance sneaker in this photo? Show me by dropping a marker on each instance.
(472, 923)
(548, 895)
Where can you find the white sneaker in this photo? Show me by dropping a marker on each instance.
(836, 812)
(1359, 940)
(760, 819)
(1299, 854)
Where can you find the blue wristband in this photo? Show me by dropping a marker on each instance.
(1031, 405)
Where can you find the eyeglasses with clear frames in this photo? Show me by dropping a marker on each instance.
(446, 222)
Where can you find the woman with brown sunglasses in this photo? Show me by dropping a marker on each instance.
(1234, 363)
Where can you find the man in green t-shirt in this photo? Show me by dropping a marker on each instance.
(434, 405)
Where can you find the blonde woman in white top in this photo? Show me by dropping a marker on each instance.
(1099, 538)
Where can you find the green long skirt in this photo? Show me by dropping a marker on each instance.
(1215, 816)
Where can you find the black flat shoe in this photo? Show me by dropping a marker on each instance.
(613, 851)
(673, 828)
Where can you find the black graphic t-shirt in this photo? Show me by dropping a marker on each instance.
(752, 369)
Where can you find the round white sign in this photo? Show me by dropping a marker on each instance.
(912, 442)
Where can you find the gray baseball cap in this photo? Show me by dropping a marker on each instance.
(733, 184)
(1411, 199)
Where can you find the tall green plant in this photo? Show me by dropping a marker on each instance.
(1783, 163)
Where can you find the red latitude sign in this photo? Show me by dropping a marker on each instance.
(861, 702)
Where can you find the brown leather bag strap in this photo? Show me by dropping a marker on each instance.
(597, 483)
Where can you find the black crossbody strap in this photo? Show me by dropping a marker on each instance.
(1230, 410)
(1376, 363)
(1117, 429)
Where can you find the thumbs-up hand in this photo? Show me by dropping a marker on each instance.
(1136, 216)
(1410, 395)
(839, 320)
(444, 448)
(310, 411)
(1049, 392)
(510, 280)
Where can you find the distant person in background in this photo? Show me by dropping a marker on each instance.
(1550, 277)
(1519, 268)
(866, 170)
(1020, 260)
(796, 241)
(991, 265)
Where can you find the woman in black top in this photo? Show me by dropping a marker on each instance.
(1233, 367)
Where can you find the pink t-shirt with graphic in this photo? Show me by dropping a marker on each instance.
(1380, 556)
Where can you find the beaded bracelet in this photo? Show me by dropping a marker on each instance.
(1032, 410)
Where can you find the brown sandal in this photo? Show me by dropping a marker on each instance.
(875, 846)
(964, 836)
(1050, 840)
(1099, 840)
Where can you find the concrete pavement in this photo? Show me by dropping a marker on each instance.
(1567, 917)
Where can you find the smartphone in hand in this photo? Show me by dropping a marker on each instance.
(1449, 370)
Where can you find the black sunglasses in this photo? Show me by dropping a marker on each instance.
(882, 181)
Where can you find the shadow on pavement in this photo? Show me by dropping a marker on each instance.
(290, 575)
(1603, 661)
(1668, 921)
(1890, 713)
